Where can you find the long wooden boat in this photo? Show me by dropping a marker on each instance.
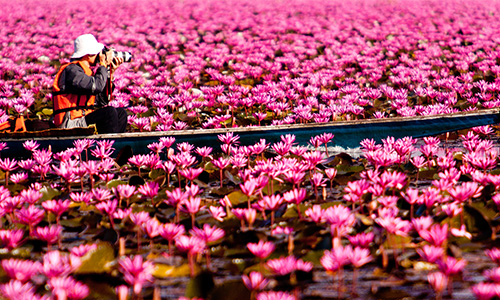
(348, 134)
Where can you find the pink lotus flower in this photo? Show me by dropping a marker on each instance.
(17, 290)
(359, 256)
(315, 213)
(149, 189)
(31, 145)
(30, 196)
(249, 187)
(335, 259)
(438, 281)
(83, 249)
(125, 191)
(22, 270)
(68, 288)
(493, 254)
(30, 216)
(283, 265)
(451, 266)
(274, 296)
(361, 239)
(485, 291)
(261, 249)
(170, 232)
(245, 214)
(57, 207)
(56, 264)
(101, 194)
(136, 271)
(191, 173)
(208, 233)
(12, 238)
(192, 206)
(431, 253)
(152, 228)
(19, 177)
(139, 218)
(462, 232)
(254, 281)
(84, 197)
(217, 213)
(436, 235)
(7, 165)
(49, 234)
(204, 151)
(493, 275)
(192, 245)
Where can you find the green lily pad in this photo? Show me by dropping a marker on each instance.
(101, 289)
(291, 212)
(72, 223)
(155, 173)
(114, 183)
(345, 169)
(237, 197)
(395, 241)
(221, 191)
(99, 260)
(314, 257)
(231, 290)
(488, 213)
(49, 193)
(166, 271)
(477, 219)
(200, 286)
(47, 111)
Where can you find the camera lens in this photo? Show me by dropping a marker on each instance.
(127, 56)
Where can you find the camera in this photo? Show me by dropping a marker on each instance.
(127, 56)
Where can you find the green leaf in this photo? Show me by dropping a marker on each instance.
(72, 223)
(344, 169)
(237, 197)
(313, 257)
(231, 290)
(200, 286)
(291, 212)
(155, 173)
(478, 218)
(47, 111)
(49, 193)
(273, 186)
(367, 221)
(487, 212)
(395, 241)
(114, 183)
(166, 271)
(221, 191)
(100, 289)
(99, 260)
(209, 167)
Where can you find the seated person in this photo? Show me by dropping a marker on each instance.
(80, 97)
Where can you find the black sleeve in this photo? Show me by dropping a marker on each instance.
(76, 81)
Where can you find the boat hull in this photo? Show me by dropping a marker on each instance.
(348, 134)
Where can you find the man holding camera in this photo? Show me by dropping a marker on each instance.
(80, 97)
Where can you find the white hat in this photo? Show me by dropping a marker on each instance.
(86, 44)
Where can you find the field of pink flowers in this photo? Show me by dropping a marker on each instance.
(409, 218)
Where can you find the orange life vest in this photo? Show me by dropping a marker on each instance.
(77, 105)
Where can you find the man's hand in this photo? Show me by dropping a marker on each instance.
(115, 62)
(106, 58)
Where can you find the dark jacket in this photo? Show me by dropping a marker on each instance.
(73, 80)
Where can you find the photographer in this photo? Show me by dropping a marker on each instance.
(80, 97)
